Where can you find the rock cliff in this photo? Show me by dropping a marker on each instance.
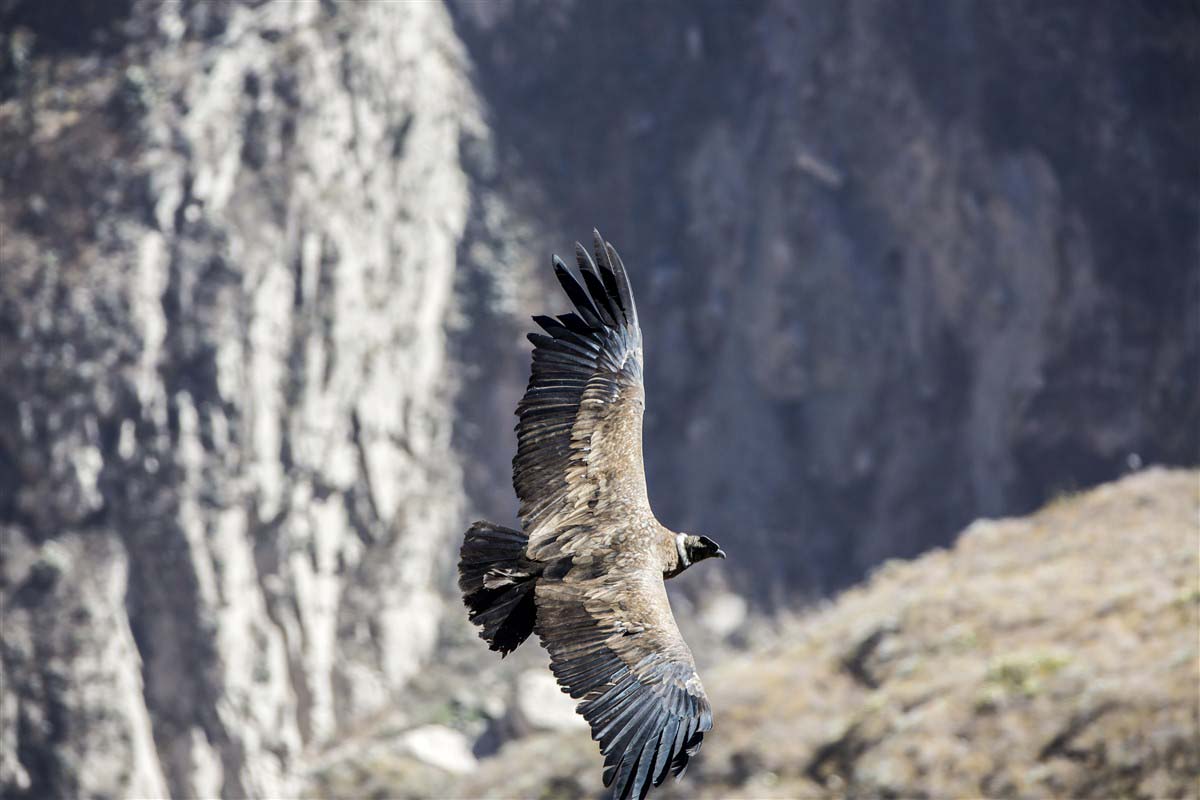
(906, 265)
(227, 488)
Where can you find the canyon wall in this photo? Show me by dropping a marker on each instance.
(228, 496)
(265, 268)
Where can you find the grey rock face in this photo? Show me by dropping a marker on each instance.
(898, 265)
(71, 666)
(227, 487)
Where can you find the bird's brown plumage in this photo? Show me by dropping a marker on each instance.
(598, 552)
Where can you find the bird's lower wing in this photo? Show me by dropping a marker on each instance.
(615, 646)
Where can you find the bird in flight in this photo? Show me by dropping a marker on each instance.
(587, 570)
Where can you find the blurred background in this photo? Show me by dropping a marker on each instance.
(265, 272)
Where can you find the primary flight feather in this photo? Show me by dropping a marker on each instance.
(587, 571)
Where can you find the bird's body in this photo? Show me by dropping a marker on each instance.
(587, 571)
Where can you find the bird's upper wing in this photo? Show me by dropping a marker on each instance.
(579, 434)
(614, 644)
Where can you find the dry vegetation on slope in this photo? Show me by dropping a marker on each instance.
(1053, 655)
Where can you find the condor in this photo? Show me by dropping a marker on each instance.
(587, 571)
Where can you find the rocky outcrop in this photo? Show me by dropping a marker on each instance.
(227, 491)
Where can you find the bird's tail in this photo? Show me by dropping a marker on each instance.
(497, 584)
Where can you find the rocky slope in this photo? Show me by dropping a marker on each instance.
(1047, 656)
(263, 276)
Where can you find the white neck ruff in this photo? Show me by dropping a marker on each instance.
(680, 548)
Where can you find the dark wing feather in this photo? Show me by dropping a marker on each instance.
(614, 645)
(607, 275)
(581, 299)
(623, 290)
(583, 405)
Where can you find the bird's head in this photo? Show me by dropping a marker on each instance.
(696, 548)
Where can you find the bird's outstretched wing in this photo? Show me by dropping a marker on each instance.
(614, 645)
(602, 609)
(579, 434)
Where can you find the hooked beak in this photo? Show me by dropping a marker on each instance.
(720, 553)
